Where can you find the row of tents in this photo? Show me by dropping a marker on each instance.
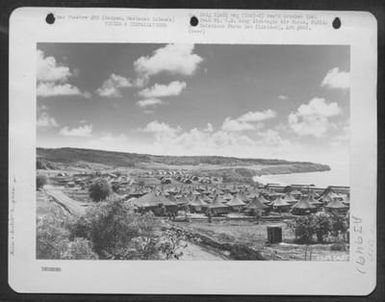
(218, 204)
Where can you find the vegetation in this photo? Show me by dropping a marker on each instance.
(41, 181)
(44, 165)
(120, 159)
(322, 225)
(116, 232)
(52, 241)
(99, 190)
(109, 230)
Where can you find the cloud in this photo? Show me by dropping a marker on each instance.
(235, 125)
(172, 58)
(160, 128)
(52, 78)
(283, 97)
(172, 89)
(52, 89)
(80, 131)
(336, 79)
(257, 116)
(149, 103)
(111, 87)
(48, 69)
(173, 140)
(166, 139)
(209, 128)
(248, 121)
(44, 120)
(312, 119)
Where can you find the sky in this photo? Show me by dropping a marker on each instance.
(257, 101)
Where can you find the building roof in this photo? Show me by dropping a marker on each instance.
(280, 202)
(153, 200)
(218, 202)
(256, 203)
(303, 203)
(235, 201)
(197, 202)
(227, 196)
(336, 204)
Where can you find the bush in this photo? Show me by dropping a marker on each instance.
(338, 247)
(339, 225)
(304, 229)
(111, 227)
(116, 232)
(50, 232)
(44, 165)
(79, 248)
(322, 225)
(99, 190)
(52, 241)
(41, 180)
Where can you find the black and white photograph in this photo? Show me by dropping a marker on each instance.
(192, 152)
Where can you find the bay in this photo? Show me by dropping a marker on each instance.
(337, 176)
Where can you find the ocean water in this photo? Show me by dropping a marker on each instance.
(337, 176)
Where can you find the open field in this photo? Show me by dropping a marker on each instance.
(254, 235)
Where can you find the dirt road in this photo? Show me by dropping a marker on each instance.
(196, 252)
(73, 207)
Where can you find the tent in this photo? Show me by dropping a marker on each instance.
(236, 203)
(281, 204)
(157, 203)
(289, 199)
(182, 200)
(303, 207)
(336, 206)
(256, 206)
(197, 205)
(227, 196)
(206, 199)
(218, 206)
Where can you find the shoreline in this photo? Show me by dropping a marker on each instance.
(318, 178)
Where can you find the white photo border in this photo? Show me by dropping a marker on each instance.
(355, 277)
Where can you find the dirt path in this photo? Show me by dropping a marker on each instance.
(196, 252)
(71, 206)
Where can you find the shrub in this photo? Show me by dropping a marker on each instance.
(322, 225)
(319, 224)
(304, 229)
(79, 248)
(338, 247)
(116, 232)
(111, 227)
(52, 241)
(44, 165)
(339, 224)
(41, 180)
(50, 232)
(99, 190)
(243, 252)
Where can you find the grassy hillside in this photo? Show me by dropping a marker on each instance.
(120, 159)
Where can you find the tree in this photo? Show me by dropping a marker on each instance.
(52, 240)
(322, 225)
(99, 190)
(304, 229)
(117, 233)
(339, 225)
(41, 180)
